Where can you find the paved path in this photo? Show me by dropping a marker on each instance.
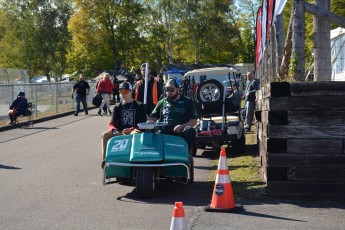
(50, 178)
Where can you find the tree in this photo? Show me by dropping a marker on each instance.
(107, 28)
(246, 21)
(207, 32)
(39, 29)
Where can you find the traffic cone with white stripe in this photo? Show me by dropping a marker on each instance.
(178, 222)
(223, 197)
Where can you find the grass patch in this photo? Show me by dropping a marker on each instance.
(245, 174)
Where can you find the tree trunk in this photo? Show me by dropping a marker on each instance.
(279, 29)
(284, 67)
(322, 52)
(297, 57)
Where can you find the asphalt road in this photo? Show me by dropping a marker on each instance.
(50, 178)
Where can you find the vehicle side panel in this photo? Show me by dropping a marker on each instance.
(175, 150)
(118, 149)
(147, 147)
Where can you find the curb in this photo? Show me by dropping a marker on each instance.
(41, 119)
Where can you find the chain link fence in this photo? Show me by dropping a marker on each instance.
(46, 98)
(14, 76)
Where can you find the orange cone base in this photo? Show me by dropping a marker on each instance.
(236, 209)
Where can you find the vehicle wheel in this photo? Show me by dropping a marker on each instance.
(145, 182)
(239, 146)
(210, 91)
(191, 170)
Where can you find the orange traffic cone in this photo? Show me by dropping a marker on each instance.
(223, 196)
(178, 222)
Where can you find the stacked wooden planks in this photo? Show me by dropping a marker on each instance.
(301, 132)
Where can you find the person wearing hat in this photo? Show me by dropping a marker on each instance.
(18, 107)
(178, 111)
(154, 90)
(125, 117)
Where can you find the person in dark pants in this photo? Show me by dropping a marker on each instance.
(185, 86)
(252, 87)
(235, 98)
(178, 111)
(116, 95)
(18, 107)
(82, 89)
(154, 90)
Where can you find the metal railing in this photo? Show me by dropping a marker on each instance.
(46, 98)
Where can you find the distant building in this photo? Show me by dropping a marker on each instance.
(338, 54)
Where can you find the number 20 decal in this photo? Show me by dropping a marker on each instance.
(121, 144)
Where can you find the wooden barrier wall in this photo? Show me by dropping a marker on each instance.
(301, 132)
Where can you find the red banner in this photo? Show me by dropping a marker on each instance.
(258, 48)
(270, 12)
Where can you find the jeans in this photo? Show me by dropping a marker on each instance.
(250, 105)
(82, 100)
(105, 101)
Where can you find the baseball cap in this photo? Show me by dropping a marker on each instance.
(126, 85)
(171, 83)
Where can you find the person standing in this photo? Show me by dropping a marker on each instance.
(154, 90)
(235, 97)
(104, 88)
(125, 118)
(116, 95)
(160, 80)
(178, 111)
(252, 87)
(185, 86)
(82, 89)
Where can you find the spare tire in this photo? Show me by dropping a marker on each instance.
(210, 91)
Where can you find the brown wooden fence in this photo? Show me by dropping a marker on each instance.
(301, 131)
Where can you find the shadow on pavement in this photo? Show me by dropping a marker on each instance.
(169, 193)
(8, 167)
(254, 214)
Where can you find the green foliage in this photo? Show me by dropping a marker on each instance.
(246, 21)
(293, 63)
(36, 36)
(51, 37)
(337, 7)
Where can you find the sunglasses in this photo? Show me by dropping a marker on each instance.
(170, 89)
(124, 91)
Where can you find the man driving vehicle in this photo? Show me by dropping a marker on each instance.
(178, 111)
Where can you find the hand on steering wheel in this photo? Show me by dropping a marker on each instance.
(178, 128)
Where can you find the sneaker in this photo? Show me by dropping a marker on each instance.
(100, 112)
(109, 112)
(86, 113)
(76, 114)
